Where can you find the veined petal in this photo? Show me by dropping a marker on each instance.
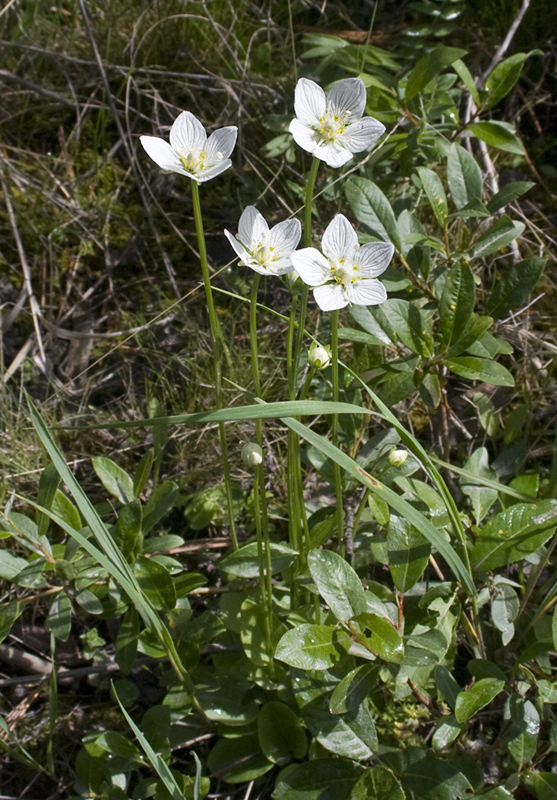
(304, 136)
(281, 266)
(237, 246)
(340, 240)
(222, 142)
(252, 227)
(311, 265)
(212, 172)
(187, 133)
(330, 297)
(285, 236)
(309, 101)
(361, 135)
(366, 292)
(162, 153)
(348, 95)
(373, 258)
(332, 153)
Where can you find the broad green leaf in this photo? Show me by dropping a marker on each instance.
(429, 66)
(253, 632)
(425, 649)
(319, 779)
(457, 302)
(498, 134)
(114, 479)
(410, 325)
(512, 289)
(479, 695)
(373, 210)
(126, 641)
(446, 685)
(363, 316)
(480, 369)
(445, 733)
(483, 668)
(503, 77)
(437, 779)
(226, 699)
(9, 612)
(500, 234)
(312, 647)
(10, 565)
(63, 507)
(463, 176)
(244, 562)
(543, 785)
(156, 583)
(338, 584)
(352, 690)
(465, 76)
(89, 602)
(385, 641)
(378, 783)
(59, 620)
(474, 330)
(513, 534)
(430, 389)
(281, 735)
(508, 194)
(159, 505)
(504, 609)
(128, 533)
(522, 738)
(482, 497)
(114, 744)
(435, 192)
(409, 553)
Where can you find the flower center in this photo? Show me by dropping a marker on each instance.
(264, 252)
(332, 123)
(344, 272)
(195, 161)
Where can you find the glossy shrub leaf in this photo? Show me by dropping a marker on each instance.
(281, 736)
(457, 302)
(338, 584)
(383, 639)
(244, 562)
(543, 785)
(446, 685)
(463, 176)
(59, 620)
(500, 234)
(352, 690)
(156, 583)
(437, 779)
(498, 134)
(410, 325)
(479, 695)
(501, 80)
(425, 649)
(238, 760)
(504, 609)
(429, 66)
(320, 779)
(409, 553)
(114, 479)
(373, 210)
(480, 369)
(512, 289)
(378, 783)
(445, 733)
(433, 187)
(522, 738)
(514, 533)
(312, 647)
(508, 194)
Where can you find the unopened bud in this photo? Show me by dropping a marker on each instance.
(397, 457)
(319, 356)
(252, 454)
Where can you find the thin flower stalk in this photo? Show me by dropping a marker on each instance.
(334, 433)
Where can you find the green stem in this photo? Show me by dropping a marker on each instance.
(218, 343)
(336, 393)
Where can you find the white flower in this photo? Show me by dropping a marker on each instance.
(397, 457)
(331, 127)
(252, 454)
(345, 272)
(265, 251)
(190, 152)
(319, 356)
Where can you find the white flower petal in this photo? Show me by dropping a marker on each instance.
(330, 297)
(285, 236)
(373, 258)
(348, 95)
(221, 143)
(187, 133)
(281, 266)
(309, 101)
(331, 153)
(311, 265)
(252, 227)
(366, 293)
(340, 240)
(305, 137)
(211, 172)
(161, 153)
(361, 135)
(237, 246)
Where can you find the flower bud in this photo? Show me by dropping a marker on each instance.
(319, 357)
(252, 454)
(397, 457)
